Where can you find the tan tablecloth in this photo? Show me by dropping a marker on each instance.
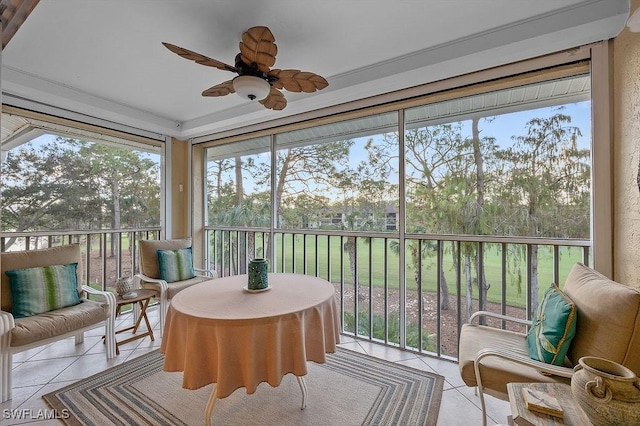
(215, 332)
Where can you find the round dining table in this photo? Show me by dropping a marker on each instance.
(220, 332)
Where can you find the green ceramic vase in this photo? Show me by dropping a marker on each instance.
(258, 273)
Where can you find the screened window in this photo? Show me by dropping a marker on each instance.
(514, 162)
(340, 176)
(239, 183)
(56, 177)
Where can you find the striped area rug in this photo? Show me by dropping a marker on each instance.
(349, 389)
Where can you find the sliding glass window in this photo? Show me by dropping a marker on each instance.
(512, 162)
(339, 176)
(238, 177)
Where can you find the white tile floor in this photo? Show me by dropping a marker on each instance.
(47, 368)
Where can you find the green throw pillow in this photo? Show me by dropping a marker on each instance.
(38, 290)
(175, 265)
(553, 328)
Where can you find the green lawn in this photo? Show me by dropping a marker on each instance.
(371, 258)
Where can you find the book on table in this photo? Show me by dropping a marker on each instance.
(542, 402)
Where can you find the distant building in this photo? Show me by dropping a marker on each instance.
(391, 218)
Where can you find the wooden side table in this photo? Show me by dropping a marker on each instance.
(142, 299)
(573, 414)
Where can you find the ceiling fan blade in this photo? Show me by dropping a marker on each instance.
(298, 81)
(275, 100)
(198, 58)
(258, 45)
(222, 89)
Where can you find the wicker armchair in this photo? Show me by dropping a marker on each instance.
(607, 327)
(23, 333)
(149, 276)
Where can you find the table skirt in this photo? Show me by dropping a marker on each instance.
(250, 351)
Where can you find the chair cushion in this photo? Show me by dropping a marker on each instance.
(496, 372)
(608, 323)
(54, 323)
(553, 327)
(176, 265)
(175, 287)
(43, 289)
(149, 253)
(61, 255)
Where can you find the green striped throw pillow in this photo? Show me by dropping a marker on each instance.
(176, 265)
(38, 290)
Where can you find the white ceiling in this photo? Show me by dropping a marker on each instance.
(104, 58)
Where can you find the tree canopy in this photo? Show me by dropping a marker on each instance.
(458, 180)
(68, 184)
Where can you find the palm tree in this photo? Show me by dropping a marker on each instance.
(247, 213)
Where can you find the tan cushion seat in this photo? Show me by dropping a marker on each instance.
(496, 372)
(174, 287)
(23, 333)
(54, 323)
(150, 270)
(149, 257)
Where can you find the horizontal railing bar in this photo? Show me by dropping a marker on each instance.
(569, 242)
(81, 232)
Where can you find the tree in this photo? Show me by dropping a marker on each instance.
(47, 187)
(230, 205)
(114, 169)
(310, 170)
(306, 210)
(217, 168)
(475, 215)
(71, 184)
(543, 173)
(438, 186)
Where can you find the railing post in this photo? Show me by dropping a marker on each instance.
(439, 275)
(419, 295)
(88, 260)
(503, 283)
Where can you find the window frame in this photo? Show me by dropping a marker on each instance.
(591, 58)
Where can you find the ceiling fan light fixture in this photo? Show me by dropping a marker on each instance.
(251, 87)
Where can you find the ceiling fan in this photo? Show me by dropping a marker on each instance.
(256, 80)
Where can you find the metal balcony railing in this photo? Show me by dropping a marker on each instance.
(108, 254)
(413, 293)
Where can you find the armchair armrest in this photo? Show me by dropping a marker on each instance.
(543, 367)
(109, 298)
(7, 323)
(519, 359)
(142, 277)
(211, 273)
(110, 326)
(498, 316)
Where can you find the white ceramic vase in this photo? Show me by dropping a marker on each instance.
(608, 392)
